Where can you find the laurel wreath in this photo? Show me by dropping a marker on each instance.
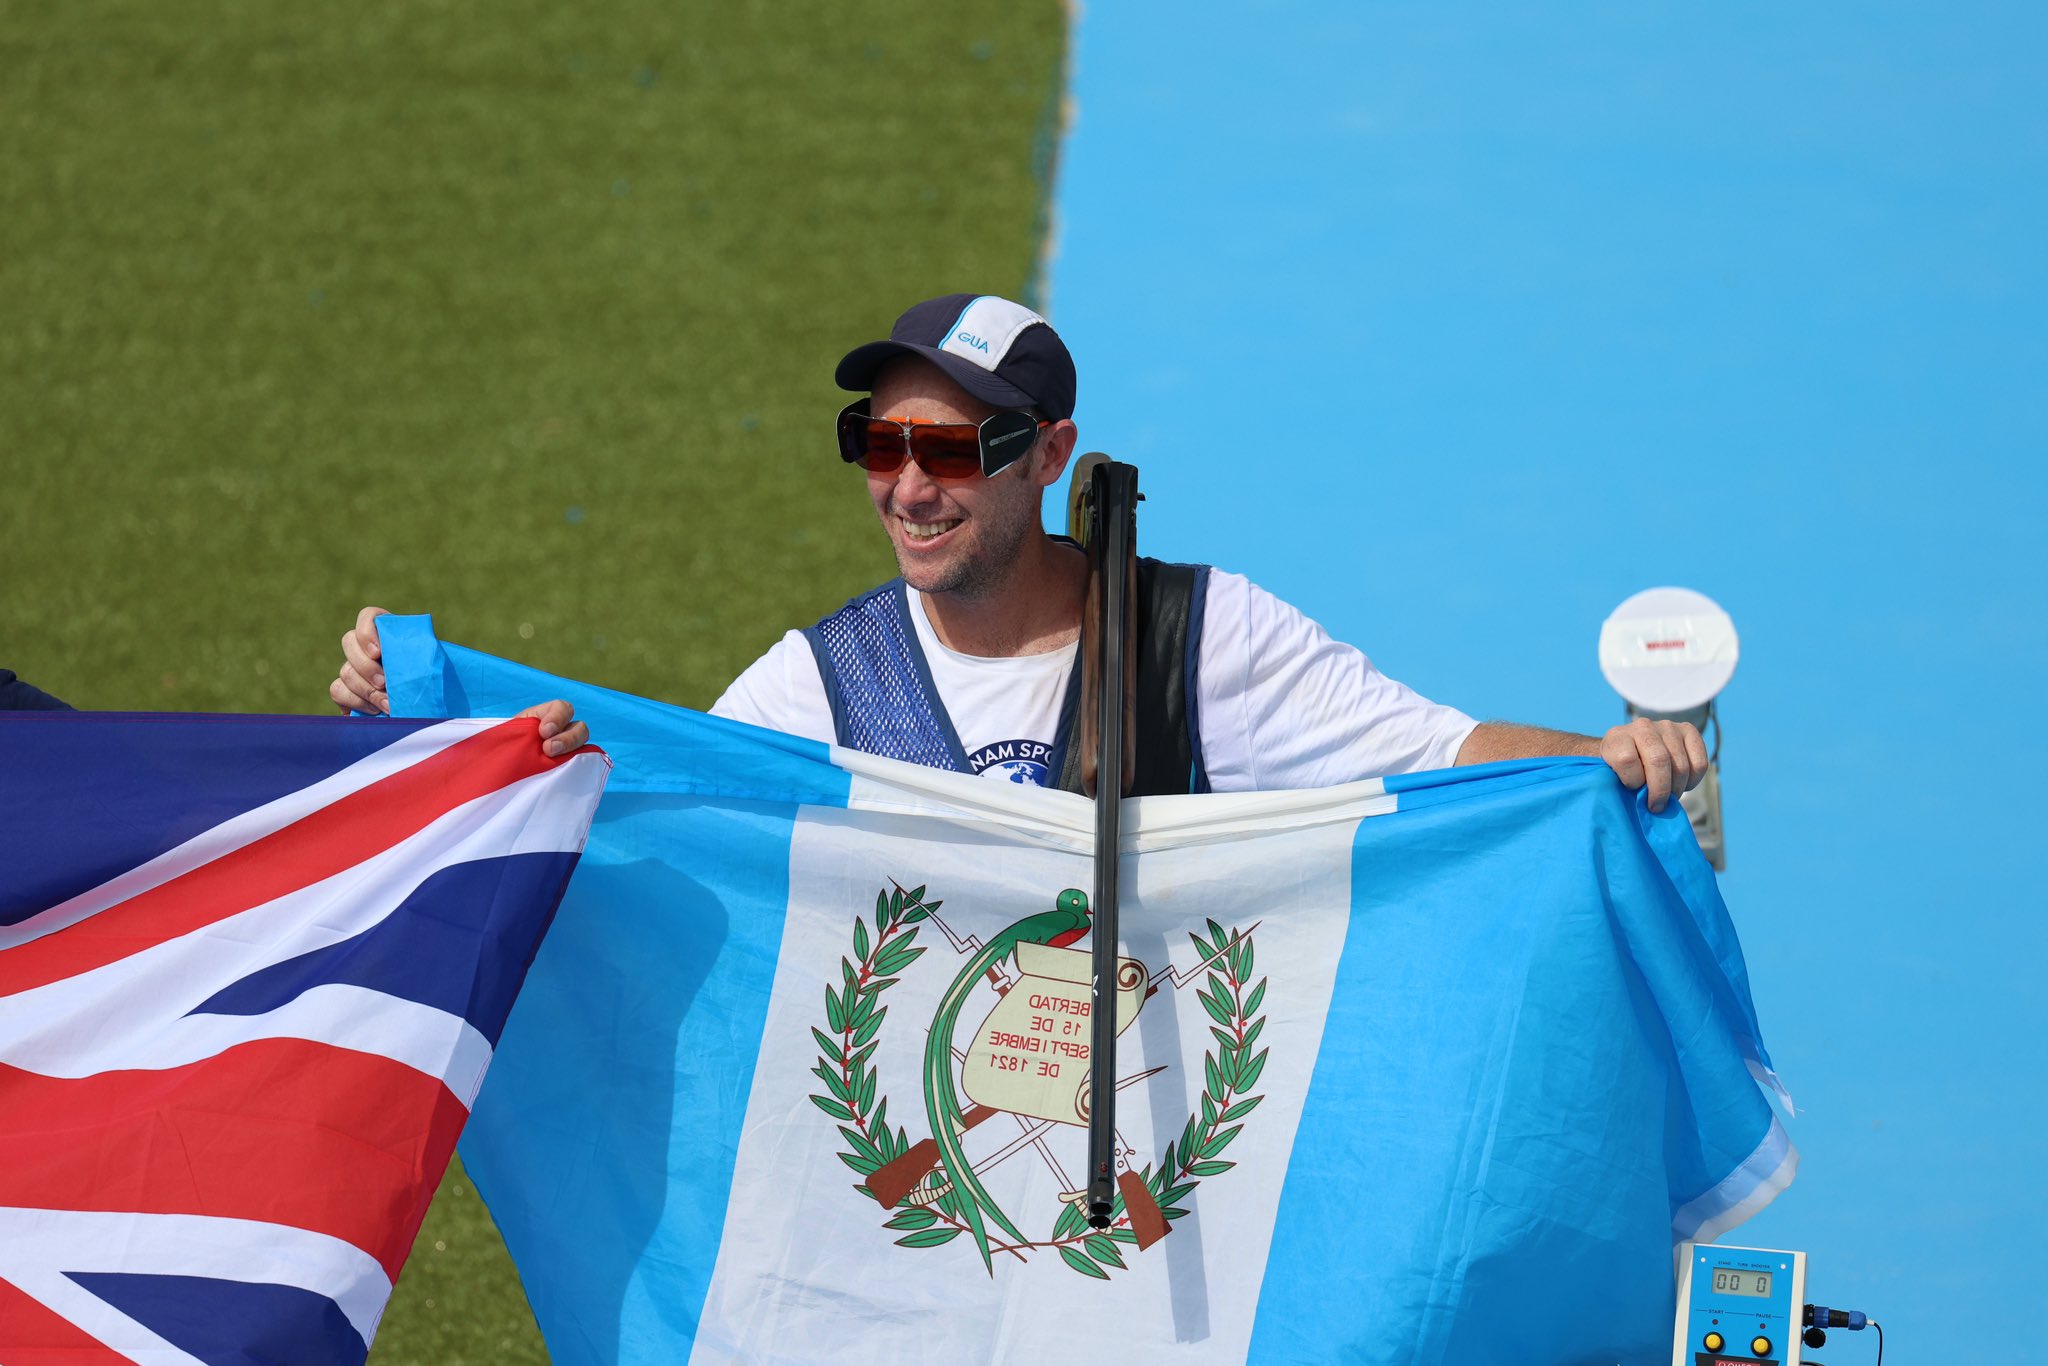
(933, 1215)
(1229, 1072)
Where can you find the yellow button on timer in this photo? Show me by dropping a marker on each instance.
(1713, 1342)
(1760, 1345)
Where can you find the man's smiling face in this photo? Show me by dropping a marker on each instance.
(959, 538)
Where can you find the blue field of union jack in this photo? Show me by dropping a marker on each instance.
(252, 970)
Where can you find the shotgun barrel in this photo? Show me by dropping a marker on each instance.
(1111, 515)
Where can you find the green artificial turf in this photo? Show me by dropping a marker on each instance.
(520, 313)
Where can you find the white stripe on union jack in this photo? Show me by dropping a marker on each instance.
(442, 1045)
(41, 1249)
(250, 825)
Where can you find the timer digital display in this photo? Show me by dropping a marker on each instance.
(1738, 1304)
(1730, 1280)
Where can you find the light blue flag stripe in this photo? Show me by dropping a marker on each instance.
(1535, 1058)
(645, 1204)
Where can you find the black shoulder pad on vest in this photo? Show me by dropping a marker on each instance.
(1166, 763)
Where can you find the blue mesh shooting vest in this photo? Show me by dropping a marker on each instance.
(884, 702)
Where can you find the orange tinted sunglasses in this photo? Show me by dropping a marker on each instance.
(948, 451)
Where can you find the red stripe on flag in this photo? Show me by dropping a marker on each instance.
(33, 1334)
(316, 846)
(286, 1131)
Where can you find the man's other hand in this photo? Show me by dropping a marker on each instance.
(1665, 757)
(360, 684)
(560, 731)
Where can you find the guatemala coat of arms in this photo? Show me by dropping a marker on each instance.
(1008, 1048)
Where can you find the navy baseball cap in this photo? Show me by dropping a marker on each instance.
(999, 351)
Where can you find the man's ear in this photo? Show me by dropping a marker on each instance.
(1055, 450)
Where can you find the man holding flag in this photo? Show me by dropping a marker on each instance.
(803, 1070)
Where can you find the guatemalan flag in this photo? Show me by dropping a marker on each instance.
(252, 970)
(1434, 1070)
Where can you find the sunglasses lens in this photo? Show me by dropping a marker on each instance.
(947, 452)
(877, 446)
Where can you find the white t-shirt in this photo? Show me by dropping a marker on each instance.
(1281, 705)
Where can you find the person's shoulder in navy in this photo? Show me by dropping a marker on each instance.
(16, 695)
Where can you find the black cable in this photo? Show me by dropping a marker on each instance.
(1880, 1341)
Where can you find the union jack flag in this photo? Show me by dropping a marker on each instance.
(252, 970)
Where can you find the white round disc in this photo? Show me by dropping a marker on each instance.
(1668, 649)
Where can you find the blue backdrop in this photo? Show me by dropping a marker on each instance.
(1458, 324)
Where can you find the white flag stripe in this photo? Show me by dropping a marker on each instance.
(1065, 820)
(774, 1298)
(1060, 820)
(113, 1012)
(1154, 823)
(423, 1038)
(245, 828)
(38, 1246)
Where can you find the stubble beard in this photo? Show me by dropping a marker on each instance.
(979, 572)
